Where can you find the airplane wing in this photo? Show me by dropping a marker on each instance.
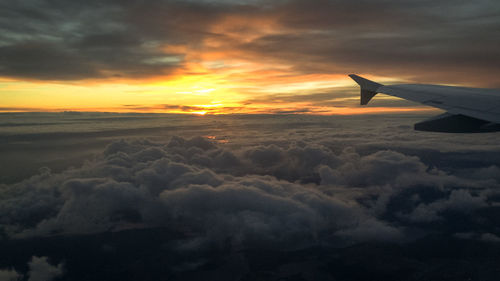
(468, 110)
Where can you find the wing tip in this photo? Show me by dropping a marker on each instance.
(368, 88)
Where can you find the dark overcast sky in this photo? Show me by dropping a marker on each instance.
(72, 40)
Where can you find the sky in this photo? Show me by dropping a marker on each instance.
(225, 57)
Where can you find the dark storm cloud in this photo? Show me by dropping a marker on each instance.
(422, 40)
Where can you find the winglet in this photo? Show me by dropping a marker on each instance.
(368, 88)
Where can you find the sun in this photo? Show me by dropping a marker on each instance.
(201, 113)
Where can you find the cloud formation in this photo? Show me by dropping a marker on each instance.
(61, 40)
(42, 270)
(9, 275)
(39, 270)
(290, 196)
(245, 196)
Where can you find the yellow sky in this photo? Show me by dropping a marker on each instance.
(213, 78)
(223, 57)
(215, 86)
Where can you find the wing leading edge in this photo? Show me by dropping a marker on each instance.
(468, 110)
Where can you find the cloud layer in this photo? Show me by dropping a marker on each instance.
(134, 196)
(289, 196)
(61, 40)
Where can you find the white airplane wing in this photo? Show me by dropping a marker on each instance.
(468, 110)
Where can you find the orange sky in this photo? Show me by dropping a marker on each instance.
(209, 83)
(239, 87)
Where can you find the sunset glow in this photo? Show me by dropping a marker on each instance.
(244, 59)
(210, 92)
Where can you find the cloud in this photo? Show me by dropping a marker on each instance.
(382, 167)
(41, 270)
(9, 275)
(46, 40)
(59, 40)
(44, 61)
(458, 200)
(288, 194)
(185, 182)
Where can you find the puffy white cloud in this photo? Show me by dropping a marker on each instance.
(382, 167)
(458, 201)
(41, 270)
(9, 275)
(489, 237)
